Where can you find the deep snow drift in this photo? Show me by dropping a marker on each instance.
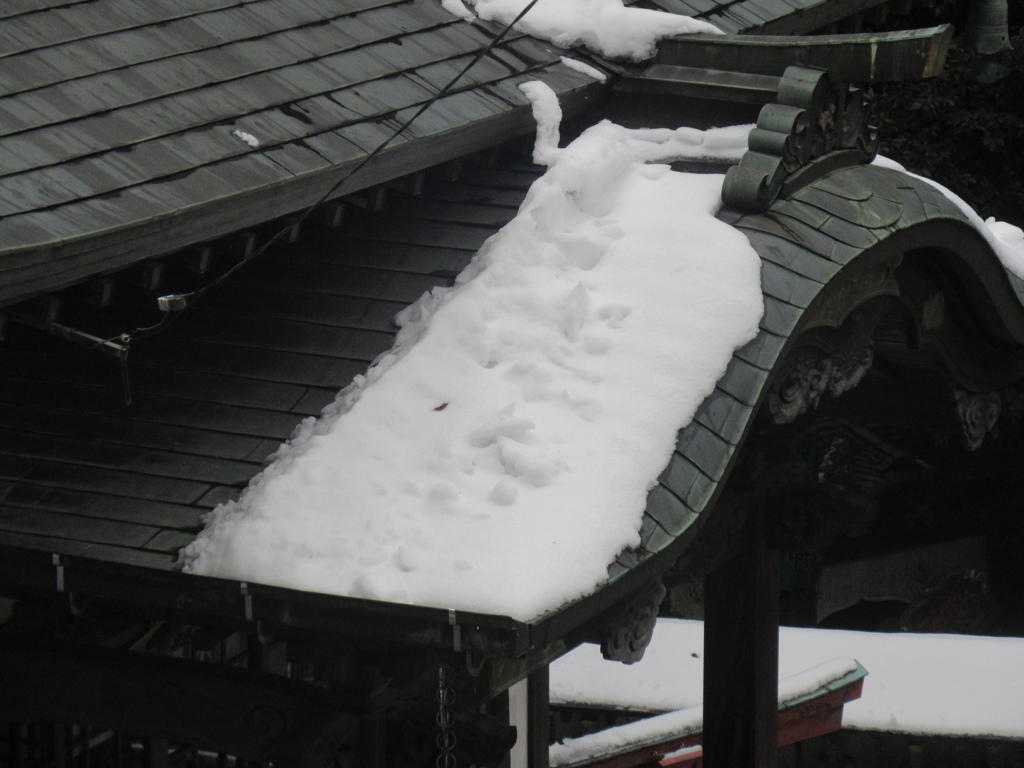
(499, 457)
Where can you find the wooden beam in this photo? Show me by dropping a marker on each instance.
(701, 83)
(858, 58)
(814, 17)
(741, 646)
(330, 214)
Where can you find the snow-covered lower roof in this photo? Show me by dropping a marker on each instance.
(917, 684)
(684, 724)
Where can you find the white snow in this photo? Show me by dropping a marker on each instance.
(248, 138)
(605, 26)
(684, 722)
(498, 458)
(916, 684)
(1006, 239)
(458, 8)
(584, 68)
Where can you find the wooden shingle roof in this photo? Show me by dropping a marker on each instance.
(104, 485)
(765, 17)
(124, 126)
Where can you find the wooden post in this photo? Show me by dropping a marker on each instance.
(741, 647)
(538, 717)
(518, 715)
(528, 710)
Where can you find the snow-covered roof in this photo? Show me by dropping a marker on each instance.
(134, 497)
(917, 684)
(499, 458)
(662, 732)
(520, 440)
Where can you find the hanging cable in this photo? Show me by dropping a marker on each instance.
(173, 305)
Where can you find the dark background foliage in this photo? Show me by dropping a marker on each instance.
(957, 129)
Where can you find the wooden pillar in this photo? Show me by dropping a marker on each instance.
(741, 652)
(539, 717)
(528, 703)
(518, 716)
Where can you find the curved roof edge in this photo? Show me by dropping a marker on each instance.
(825, 250)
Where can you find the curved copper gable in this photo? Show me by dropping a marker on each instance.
(855, 235)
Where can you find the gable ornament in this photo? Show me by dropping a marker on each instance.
(826, 360)
(814, 127)
(978, 413)
(627, 635)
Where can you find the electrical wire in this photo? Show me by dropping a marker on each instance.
(190, 298)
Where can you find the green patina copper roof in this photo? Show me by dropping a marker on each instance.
(839, 222)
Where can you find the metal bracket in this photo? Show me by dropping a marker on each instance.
(46, 321)
(244, 587)
(60, 572)
(456, 631)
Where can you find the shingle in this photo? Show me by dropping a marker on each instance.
(780, 318)
(788, 286)
(763, 351)
(668, 511)
(790, 233)
(708, 452)
(849, 233)
(653, 537)
(725, 415)
(743, 381)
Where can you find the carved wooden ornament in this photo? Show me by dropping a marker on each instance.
(814, 127)
(978, 414)
(820, 363)
(628, 635)
(825, 359)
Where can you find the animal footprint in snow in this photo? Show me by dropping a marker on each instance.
(614, 314)
(575, 304)
(507, 424)
(535, 465)
(505, 492)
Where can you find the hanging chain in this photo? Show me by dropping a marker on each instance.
(445, 721)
